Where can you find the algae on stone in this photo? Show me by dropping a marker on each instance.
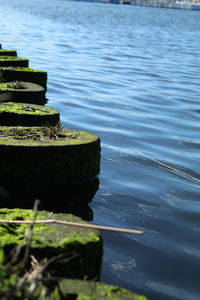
(8, 74)
(50, 240)
(22, 114)
(12, 61)
(32, 157)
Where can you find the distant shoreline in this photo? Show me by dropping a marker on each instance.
(175, 4)
(168, 4)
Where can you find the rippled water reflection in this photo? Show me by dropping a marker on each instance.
(130, 75)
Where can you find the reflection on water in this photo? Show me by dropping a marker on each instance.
(72, 199)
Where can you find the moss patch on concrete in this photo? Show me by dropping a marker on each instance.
(8, 74)
(28, 93)
(87, 290)
(35, 157)
(12, 61)
(22, 114)
(4, 52)
(54, 239)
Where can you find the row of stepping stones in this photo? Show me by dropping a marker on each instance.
(36, 152)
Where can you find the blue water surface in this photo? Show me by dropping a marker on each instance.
(130, 75)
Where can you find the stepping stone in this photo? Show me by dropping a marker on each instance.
(8, 74)
(8, 52)
(50, 240)
(41, 157)
(24, 92)
(22, 114)
(90, 290)
(12, 61)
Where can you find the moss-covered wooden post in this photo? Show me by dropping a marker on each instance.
(47, 156)
(8, 74)
(8, 61)
(50, 240)
(4, 52)
(23, 114)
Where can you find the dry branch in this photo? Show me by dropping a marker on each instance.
(92, 226)
(169, 167)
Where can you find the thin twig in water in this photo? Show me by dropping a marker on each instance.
(92, 226)
(169, 167)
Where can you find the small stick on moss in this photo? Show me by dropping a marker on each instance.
(27, 250)
(92, 226)
(169, 167)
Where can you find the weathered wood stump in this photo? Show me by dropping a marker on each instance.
(23, 114)
(8, 74)
(47, 156)
(83, 245)
(12, 61)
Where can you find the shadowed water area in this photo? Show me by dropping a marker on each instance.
(131, 76)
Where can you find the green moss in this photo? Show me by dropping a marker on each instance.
(27, 108)
(17, 86)
(53, 239)
(6, 57)
(22, 69)
(21, 114)
(86, 290)
(8, 61)
(36, 136)
(8, 74)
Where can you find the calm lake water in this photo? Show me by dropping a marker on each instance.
(131, 76)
